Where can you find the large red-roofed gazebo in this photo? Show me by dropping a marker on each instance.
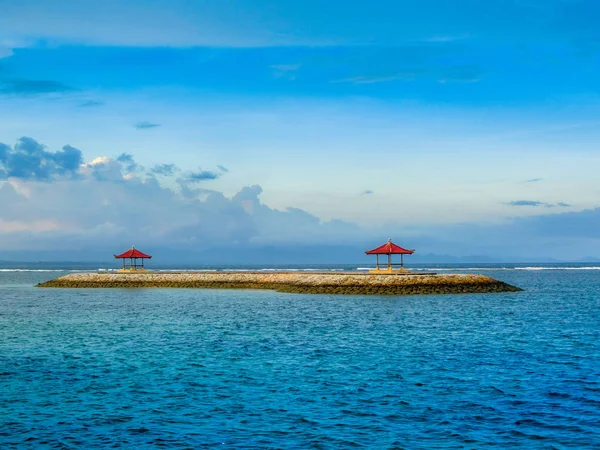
(132, 255)
(389, 249)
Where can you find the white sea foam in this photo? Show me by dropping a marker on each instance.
(454, 269)
(482, 269)
(33, 270)
(436, 269)
(183, 270)
(559, 268)
(492, 269)
(323, 269)
(271, 269)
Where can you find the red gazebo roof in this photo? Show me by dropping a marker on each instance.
(389, 248)
(132, 253)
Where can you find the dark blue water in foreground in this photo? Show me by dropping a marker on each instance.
(254, 369)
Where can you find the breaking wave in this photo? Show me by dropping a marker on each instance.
(314, 269)
(322, 269)
(559, 268)
(35, 270)
(491, 269)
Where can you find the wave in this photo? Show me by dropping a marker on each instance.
(481, 269)
(454, 269)
(322, 269)
(319, 269)
(438, 269)
(236, 270)
(559, 268)
(183, 270)
(35, 270)
(492, 269)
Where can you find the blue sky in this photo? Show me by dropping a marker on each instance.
(457, 126)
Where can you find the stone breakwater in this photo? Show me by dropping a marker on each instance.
(312, 283)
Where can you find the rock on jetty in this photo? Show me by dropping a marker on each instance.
(296, 282)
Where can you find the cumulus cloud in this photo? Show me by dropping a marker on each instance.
(90, 202)
(103, 200)
(128, 163)
(30, 160)
(188, 182)
(56, 200)
(249, 193)
(104, 169)
(146, 125)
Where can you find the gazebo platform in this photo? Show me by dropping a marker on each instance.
(390, 271)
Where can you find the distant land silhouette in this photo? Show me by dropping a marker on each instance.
(269, 255)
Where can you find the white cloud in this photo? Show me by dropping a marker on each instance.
(106, 206)
(105, 202)
(36, 226)
(368, 79)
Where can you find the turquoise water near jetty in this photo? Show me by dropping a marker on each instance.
(257, 369)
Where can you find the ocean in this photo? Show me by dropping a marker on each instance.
(177, 368)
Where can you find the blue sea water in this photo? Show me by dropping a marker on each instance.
(178, 368)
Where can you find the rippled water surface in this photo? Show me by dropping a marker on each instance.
(257, 369)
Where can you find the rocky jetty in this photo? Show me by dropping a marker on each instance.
(296, 282)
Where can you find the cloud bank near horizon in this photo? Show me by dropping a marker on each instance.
(57, 194)
(54, 201)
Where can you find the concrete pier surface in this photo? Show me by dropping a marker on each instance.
(294, 282)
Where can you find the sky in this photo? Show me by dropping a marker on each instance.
(455, 128)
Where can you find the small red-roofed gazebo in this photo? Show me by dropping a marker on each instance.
(389, 249)
(132, 255)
